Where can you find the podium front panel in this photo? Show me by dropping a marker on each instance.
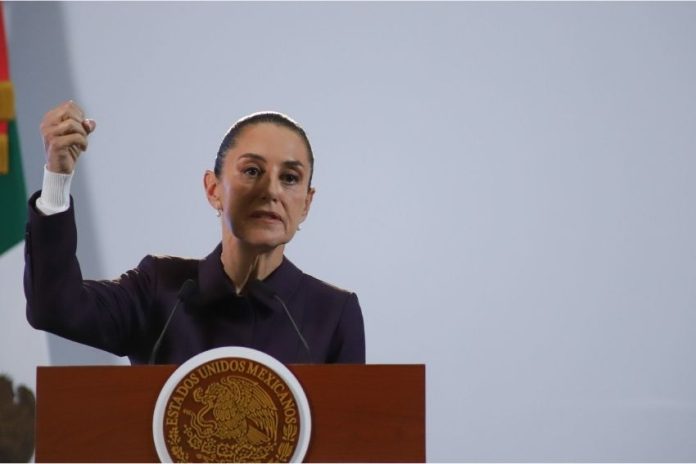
(360, 413)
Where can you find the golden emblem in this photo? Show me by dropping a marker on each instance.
(231, 410)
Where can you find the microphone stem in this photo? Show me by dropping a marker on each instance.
(155, 349)
(297, 329)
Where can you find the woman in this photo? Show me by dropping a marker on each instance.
(261, 190)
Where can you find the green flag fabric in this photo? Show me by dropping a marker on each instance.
(13, 195)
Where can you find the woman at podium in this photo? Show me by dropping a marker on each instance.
(168, 309)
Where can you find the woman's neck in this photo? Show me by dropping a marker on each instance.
(242, 263)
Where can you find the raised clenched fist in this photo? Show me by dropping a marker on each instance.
(65, 130)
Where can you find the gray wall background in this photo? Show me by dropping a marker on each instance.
(507, 186)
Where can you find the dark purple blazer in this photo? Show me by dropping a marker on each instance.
(125, 316)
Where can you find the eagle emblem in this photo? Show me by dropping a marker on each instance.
(231, 409)
(235, 409)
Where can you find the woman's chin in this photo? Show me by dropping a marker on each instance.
(264, 242)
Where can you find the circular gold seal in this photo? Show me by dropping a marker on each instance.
(231, 405)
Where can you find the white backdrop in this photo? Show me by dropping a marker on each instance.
(507, 186)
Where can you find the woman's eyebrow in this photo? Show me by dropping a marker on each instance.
(289, 164)
(253, 156)
(293, 164)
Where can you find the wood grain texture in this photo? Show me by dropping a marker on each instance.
(360, 413)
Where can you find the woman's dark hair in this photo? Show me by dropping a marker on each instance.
(268, 117)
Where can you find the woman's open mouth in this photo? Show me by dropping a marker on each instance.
(266, 216)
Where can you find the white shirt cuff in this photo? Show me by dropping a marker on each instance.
(55, 193)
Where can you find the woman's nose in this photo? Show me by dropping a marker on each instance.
(271, 187)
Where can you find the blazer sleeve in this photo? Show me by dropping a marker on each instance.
(109, 314)
(348, 341)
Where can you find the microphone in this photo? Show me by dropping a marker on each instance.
(256, 286)
(188, 288)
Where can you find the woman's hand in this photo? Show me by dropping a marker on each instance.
(65, 130)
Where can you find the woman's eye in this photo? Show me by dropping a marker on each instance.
(252, 171)
(290, 178)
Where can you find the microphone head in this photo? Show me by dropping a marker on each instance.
(188, 289)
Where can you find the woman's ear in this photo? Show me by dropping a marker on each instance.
(308, 204)
(210, 183)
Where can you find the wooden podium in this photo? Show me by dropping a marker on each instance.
(360, 413)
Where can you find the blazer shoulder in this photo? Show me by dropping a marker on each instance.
(169, 270)
(324, 289)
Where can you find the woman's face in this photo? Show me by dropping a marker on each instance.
(263, 187)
